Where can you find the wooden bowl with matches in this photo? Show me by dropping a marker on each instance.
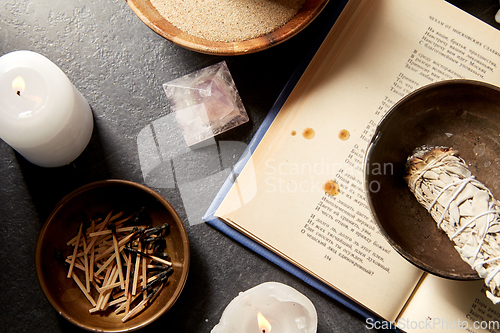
(227, 27)
(113, 256)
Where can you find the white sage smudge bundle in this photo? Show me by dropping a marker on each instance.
(462, 207)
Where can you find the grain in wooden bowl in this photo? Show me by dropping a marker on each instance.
(227, 27)
(108, 198)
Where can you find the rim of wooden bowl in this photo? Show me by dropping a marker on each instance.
(148, 14)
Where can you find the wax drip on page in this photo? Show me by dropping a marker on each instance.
(462, 207)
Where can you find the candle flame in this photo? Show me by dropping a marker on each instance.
(18, 85)
(264, 325)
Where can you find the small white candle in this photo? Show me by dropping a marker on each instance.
(270, 307)
(42, 115)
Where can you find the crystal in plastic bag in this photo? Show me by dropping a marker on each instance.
(206, 103)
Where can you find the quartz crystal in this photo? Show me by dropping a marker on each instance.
(205, 103)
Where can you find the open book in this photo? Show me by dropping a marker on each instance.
(376, 52)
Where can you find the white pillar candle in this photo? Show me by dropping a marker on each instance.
(269, 307)
(42, 115)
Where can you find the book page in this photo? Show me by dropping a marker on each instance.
(447, 306)
(377, 52)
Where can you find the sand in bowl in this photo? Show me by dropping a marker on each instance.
(228, 20)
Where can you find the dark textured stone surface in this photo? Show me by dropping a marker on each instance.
(119, 64)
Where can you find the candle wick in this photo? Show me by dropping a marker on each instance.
(18, 93)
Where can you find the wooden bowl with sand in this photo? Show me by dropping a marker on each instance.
(241, 27)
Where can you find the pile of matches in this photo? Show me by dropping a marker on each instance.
(119, 262)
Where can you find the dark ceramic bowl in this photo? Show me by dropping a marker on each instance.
(62, 224)
(462, 114)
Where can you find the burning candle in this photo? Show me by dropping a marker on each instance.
(42, 115)
(269, 307)
(264, 324)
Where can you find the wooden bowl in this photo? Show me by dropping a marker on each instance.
(458, 113)
(153, 19)
(63, 224)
